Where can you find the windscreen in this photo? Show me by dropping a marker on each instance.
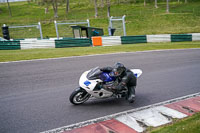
(94, 73)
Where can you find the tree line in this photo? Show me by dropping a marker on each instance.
(96, 3)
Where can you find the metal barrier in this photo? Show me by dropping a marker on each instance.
(115, 26)
(29, 26)
(69, 23)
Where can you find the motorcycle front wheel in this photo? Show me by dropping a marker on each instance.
(79, 96)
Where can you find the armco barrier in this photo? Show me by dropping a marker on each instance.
(33, 43)
(111, 40)
(195, 36)
(133, 39)
(73, 42)
(181, 37)
(159, 38)
(9, 45)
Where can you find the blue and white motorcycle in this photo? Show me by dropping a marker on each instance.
(92, 84)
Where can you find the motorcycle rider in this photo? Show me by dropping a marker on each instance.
(126, 79)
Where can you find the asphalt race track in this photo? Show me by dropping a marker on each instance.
(34, 94)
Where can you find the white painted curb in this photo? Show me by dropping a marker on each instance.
(154, 117)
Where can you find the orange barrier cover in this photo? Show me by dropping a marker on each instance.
(97, 41)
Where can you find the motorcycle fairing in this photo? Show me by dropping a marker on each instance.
(137, 72)
(90, 88)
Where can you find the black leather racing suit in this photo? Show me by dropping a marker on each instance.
(126, 79)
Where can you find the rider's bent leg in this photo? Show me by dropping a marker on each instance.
(131, 94)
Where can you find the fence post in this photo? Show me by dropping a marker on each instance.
(56, 26)
(88, 21)
(40, 27)
(110, 26)
(110, 21)
(124, 27)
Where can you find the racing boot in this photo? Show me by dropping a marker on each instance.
(131, 94)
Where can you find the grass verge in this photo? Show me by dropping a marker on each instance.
(29, 54)
(188, 125)
(140, 20)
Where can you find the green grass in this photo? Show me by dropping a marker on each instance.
(188, 125)
(140, 20)
(15, 55)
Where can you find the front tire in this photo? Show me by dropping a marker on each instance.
(79, 96)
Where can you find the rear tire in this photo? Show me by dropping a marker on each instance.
(79, 96)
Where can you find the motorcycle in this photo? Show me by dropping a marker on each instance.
(92, 84)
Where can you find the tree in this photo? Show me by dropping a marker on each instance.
(96, 10)
(102, 3)
(55, 8)
(9, 8)
(54, 4)
(144, 2)
(67, 6)
(108, 6)
(47, 4)
(156, 5)
(167, 6)
(118, 1)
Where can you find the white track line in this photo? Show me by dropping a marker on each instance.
(148, 51)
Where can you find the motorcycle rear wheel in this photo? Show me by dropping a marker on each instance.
(79, 96)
